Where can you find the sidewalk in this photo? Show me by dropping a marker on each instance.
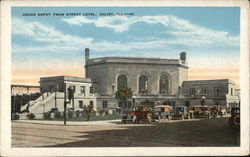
(70, 123)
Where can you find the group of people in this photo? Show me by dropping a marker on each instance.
(87, 111)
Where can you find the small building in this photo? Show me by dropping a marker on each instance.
(53, 95)
(214, 92)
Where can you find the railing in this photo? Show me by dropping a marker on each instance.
(44, 101)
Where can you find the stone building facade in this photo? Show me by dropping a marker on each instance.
(83, 96)
(152, 80)
(215, 92)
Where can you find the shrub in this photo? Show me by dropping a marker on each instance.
(58, 115)
(77, 113)
(47, 115)
(14, 116)
(30, 116)
(70, 114)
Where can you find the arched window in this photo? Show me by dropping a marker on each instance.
(143, 84)
(121, 81)
(164, 84)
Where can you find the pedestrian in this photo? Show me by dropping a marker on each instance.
(86, 112)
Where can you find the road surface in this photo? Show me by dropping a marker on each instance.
(198, 132)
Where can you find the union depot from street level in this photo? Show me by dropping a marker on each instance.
(154, 81)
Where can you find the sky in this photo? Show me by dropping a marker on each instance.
(52, 42)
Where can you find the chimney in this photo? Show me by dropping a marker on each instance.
(86, 54)
(183, 56)
(86, 61)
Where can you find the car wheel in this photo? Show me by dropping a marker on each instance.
(209, 116)
(135, 119)
(182, 117)
(169, 118)
(159, 118)
(149, 119)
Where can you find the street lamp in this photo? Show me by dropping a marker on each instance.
(133, 100)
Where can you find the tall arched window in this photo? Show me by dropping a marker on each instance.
(143, 84)
(121, 81)
(164, 84)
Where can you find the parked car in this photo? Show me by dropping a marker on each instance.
(201, 111)
(163, 112)
(139, 114)
(234, 120)
(216, 111)
(182, 112)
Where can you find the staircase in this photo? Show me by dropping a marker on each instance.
(42, 104)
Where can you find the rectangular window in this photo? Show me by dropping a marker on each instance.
(80, 104)
(204, 91)
(232, 91)
(51, 88)
(217, 91)
(120, 104)
(192, 91)
(82, 90)
(187, 103)
(91, 103)
(105, 104)
(91, 89)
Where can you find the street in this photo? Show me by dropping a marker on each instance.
(197, 132)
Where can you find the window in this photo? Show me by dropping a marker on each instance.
(51, 88)
(187, 103)
(80, 104)
(143, 84)
(82, 89)
(104, 104)
(91, 103)
(217, 91)
(232, 91)
(192, 91)
(204, 91)
(91, 89)
(113, 89)
(121, 81)
(164, 83)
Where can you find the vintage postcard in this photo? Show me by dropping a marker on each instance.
(112, 78)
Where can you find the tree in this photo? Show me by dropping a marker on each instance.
(123, 94)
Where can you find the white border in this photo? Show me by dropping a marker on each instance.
(6, 149)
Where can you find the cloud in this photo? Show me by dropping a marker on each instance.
(56, 41)
(182, 31)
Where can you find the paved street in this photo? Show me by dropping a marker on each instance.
(199, 132)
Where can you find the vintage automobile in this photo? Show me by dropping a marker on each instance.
(139, 113)
(163, 112)
(216, 111)
(182, 112)
(234, 120)
(201, 111)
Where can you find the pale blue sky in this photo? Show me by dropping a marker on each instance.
(169, 39)
(209, 35)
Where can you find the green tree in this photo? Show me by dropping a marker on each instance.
(123, 94)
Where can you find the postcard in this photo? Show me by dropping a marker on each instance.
(124, 78)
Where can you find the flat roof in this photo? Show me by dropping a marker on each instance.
(214, 81)
(65, 78)
(137, 60)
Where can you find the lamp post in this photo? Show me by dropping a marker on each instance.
(133, 100)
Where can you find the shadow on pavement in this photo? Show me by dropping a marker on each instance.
(206, 132)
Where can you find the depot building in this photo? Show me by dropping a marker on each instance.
(154, 81)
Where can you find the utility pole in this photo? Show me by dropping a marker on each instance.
(65, 104)
(70, 97)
